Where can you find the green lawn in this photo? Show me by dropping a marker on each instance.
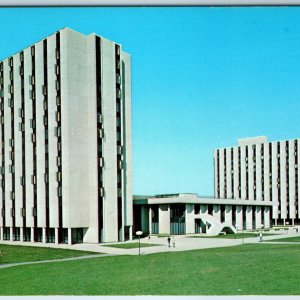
(249, 269)
(130, 245)
(232, 236)
(289, 239)
(13, 254)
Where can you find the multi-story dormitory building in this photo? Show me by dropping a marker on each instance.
(66, 141)
(258, 170)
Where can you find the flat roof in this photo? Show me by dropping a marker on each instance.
(195, 199)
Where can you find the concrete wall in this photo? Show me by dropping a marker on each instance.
(164, 218)
(189, 219)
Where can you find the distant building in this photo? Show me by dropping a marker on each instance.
(65, 139)
(262, 171)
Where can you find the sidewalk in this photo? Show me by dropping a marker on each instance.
(182, 243)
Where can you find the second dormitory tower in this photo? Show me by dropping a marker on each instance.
(66, 141)
(259, 170)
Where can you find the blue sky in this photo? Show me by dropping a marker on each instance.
(201, 78)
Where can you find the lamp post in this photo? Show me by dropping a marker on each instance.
(139, 233)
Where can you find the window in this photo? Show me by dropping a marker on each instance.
(34, 212)
(44, 90)
(31, 94)
(57, 53)
(21, 71)
(57, 115)
(120, 164)
(22, 212)
(11, 169)
(21, 113)
(58, 176)
(101, 192)
(56, 68)
(31, 80)
(99, 118)
(118, 93)
(10, 102)
(118, 79)
(32, 123)
(100, 133)
(11, 155)
(57, 131)
(119, 150)
(101, 162)
(21, 127)
(57, 100)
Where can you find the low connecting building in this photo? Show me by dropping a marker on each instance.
(65, 116)
(189, 213)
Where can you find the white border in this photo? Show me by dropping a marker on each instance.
(147, 2)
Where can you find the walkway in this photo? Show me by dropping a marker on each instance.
(182, 243)
(4, 266)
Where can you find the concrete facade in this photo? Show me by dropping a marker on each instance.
(261, 171)
(66, 141)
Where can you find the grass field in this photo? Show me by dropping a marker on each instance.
(249, 269)
(130, 245)
(290, 239)
(13, 254)
(232, 236)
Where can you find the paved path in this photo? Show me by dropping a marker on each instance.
(4, 266)
(182, 243)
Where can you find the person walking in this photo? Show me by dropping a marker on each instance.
(173, 241)
(169, 242)
(260, 236)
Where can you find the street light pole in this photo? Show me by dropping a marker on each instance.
(139, 245)
(139, 233)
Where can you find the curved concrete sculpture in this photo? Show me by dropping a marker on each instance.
(216, 227)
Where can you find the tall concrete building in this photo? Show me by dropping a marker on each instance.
(66, 141)
(258, 170)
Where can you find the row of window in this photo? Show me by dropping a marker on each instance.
(254, 187)
(76, 234)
